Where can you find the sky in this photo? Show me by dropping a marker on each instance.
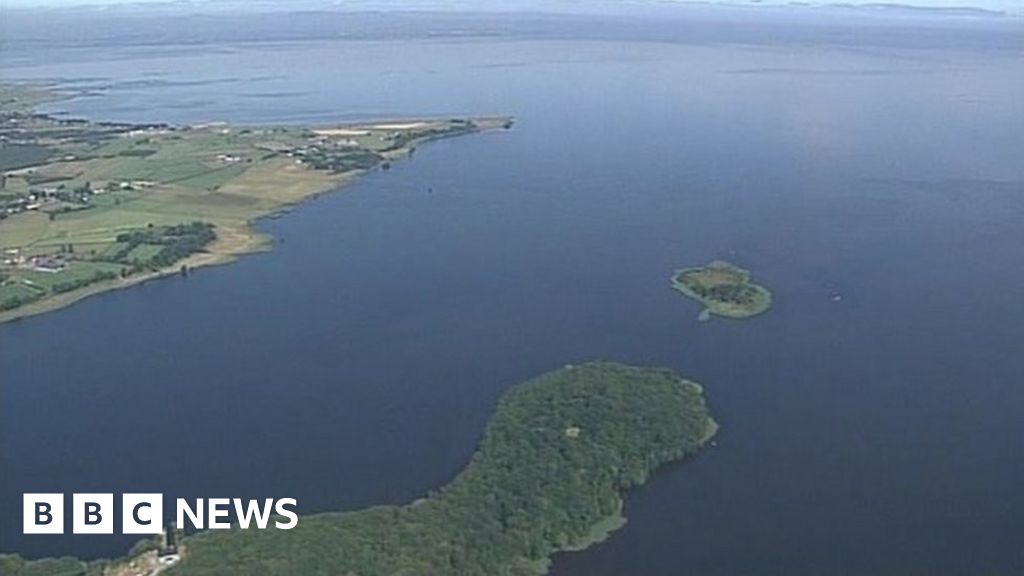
(1014, 6)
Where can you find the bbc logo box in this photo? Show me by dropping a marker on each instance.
(43, 514)
(92, 513)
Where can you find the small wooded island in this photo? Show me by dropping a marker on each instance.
(724, 289)
(547, 477)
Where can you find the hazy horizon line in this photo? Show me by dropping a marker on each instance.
(993, 7)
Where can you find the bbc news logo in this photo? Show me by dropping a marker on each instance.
(144, 513)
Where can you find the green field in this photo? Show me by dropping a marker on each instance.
(142, 252)
(83, 264)
(21, 155)
(76, 271)
(20, 290)
(26, 286)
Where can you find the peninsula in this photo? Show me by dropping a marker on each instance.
(87, 206)
(547, 477)
(724, 289)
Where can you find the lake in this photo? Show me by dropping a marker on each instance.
(871, 420)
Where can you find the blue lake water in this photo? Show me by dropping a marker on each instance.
(358, 362)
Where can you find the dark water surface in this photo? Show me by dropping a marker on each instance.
(357, 363)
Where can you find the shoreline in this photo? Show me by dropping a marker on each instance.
(713, 307)
(236, 239)
(260, 243)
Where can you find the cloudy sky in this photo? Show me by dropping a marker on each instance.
(1010, 5)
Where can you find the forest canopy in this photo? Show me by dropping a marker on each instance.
(552, 466)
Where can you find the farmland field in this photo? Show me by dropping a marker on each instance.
(102, 181)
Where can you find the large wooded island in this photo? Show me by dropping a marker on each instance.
(88, 206)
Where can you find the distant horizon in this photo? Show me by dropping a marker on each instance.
(1010, 6)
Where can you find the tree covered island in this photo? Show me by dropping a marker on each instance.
(89, 206)
(547, 477)
(724, 289)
